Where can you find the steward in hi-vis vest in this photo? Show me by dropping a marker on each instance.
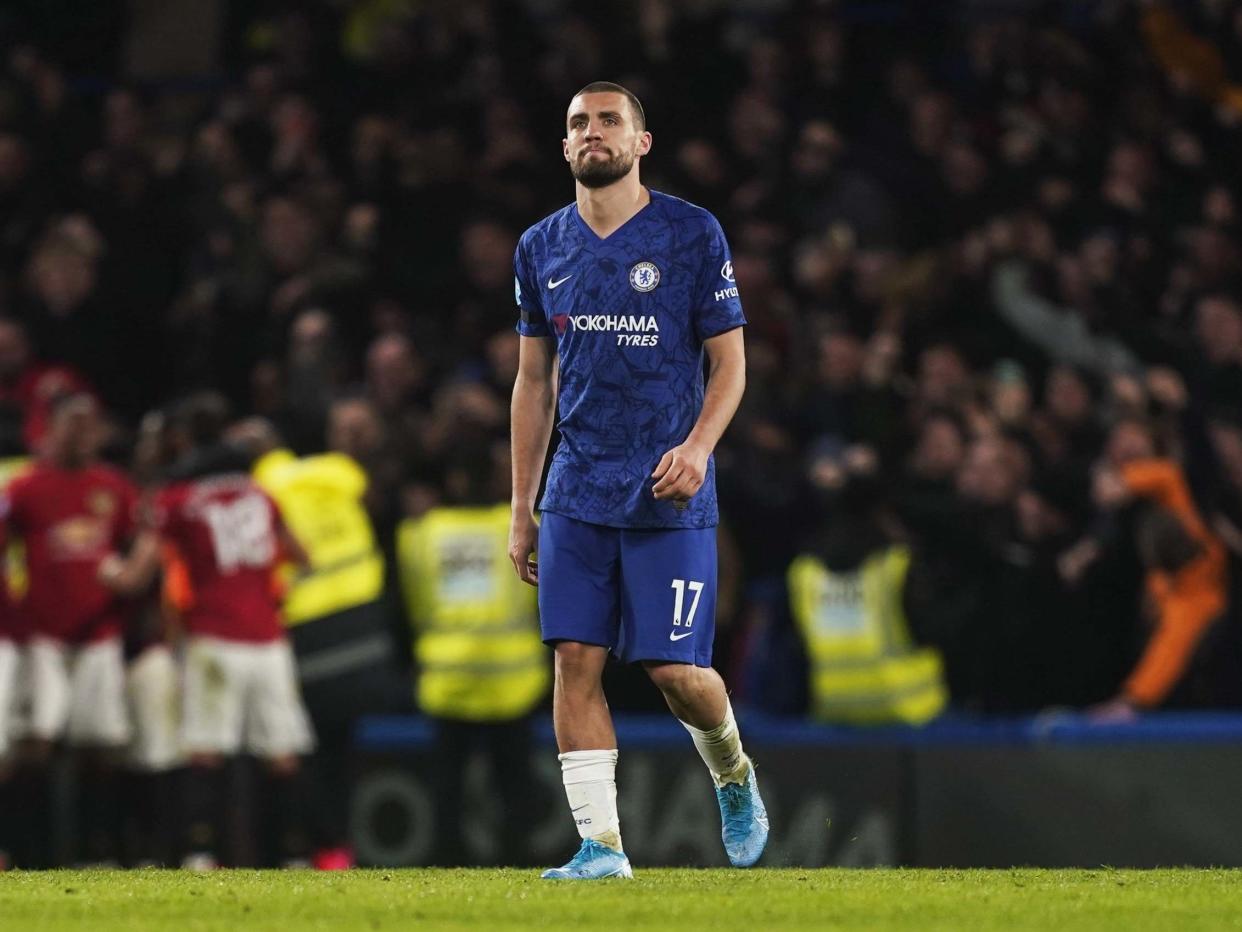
(864, 668)
(483, 669)
(320, 498)
(332, 608)
(476, 631)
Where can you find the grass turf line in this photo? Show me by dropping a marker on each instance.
(756, 900)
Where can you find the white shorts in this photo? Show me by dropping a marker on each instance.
(154, 687)
(10, 658)
(242, 694)
(77, 691)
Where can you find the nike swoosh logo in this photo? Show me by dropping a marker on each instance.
(674, 636)
(552, 284)
(583, 806)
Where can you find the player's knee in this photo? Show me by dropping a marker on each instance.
(672, 679)
(579, 666)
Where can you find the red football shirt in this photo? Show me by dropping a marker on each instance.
(224, 528)
(69, 519)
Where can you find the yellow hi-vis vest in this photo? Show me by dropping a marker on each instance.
(475, 623)
(13, 557)
(320, 499)
(864, 668)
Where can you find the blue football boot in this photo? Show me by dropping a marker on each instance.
(743, 820)
(592, 862)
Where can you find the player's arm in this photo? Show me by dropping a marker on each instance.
(532, 413)
(289, 547)
(683, 469)
(132, 574)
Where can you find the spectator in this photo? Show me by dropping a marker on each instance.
(1186, 580)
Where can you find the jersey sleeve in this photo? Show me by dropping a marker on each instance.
(718, 308)
(532, 322)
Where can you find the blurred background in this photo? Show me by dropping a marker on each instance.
(981, 506)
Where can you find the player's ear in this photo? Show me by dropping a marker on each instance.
(565, 149)
(644, 143)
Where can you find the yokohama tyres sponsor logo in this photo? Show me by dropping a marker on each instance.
(631, 329)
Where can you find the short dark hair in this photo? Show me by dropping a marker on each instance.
(202, 417)
(607, 87)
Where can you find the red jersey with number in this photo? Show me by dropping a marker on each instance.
(69, 520)
(224, 530)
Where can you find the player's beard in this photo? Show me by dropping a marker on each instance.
(596, 173)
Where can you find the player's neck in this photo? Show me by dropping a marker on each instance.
(605, 210)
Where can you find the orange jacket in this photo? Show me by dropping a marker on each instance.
(1189, 58)
(1188, 600)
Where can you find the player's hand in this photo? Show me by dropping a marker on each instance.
(1074, 562)
(680, 473)
(109, 569)
(1108, 488)
(523, 534)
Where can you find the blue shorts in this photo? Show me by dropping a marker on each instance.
(644, 594)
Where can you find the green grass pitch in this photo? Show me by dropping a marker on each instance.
(718, 900)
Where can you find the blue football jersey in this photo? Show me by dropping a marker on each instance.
(629, 313)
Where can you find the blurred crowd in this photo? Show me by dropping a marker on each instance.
(989, 254)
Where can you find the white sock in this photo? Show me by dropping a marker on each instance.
(590, 779)
(721, 749)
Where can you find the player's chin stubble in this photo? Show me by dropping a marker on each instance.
(591, 173)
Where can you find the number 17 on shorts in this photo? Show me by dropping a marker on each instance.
(680, 586)
(669, 583)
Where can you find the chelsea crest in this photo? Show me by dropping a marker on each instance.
(644, 276)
